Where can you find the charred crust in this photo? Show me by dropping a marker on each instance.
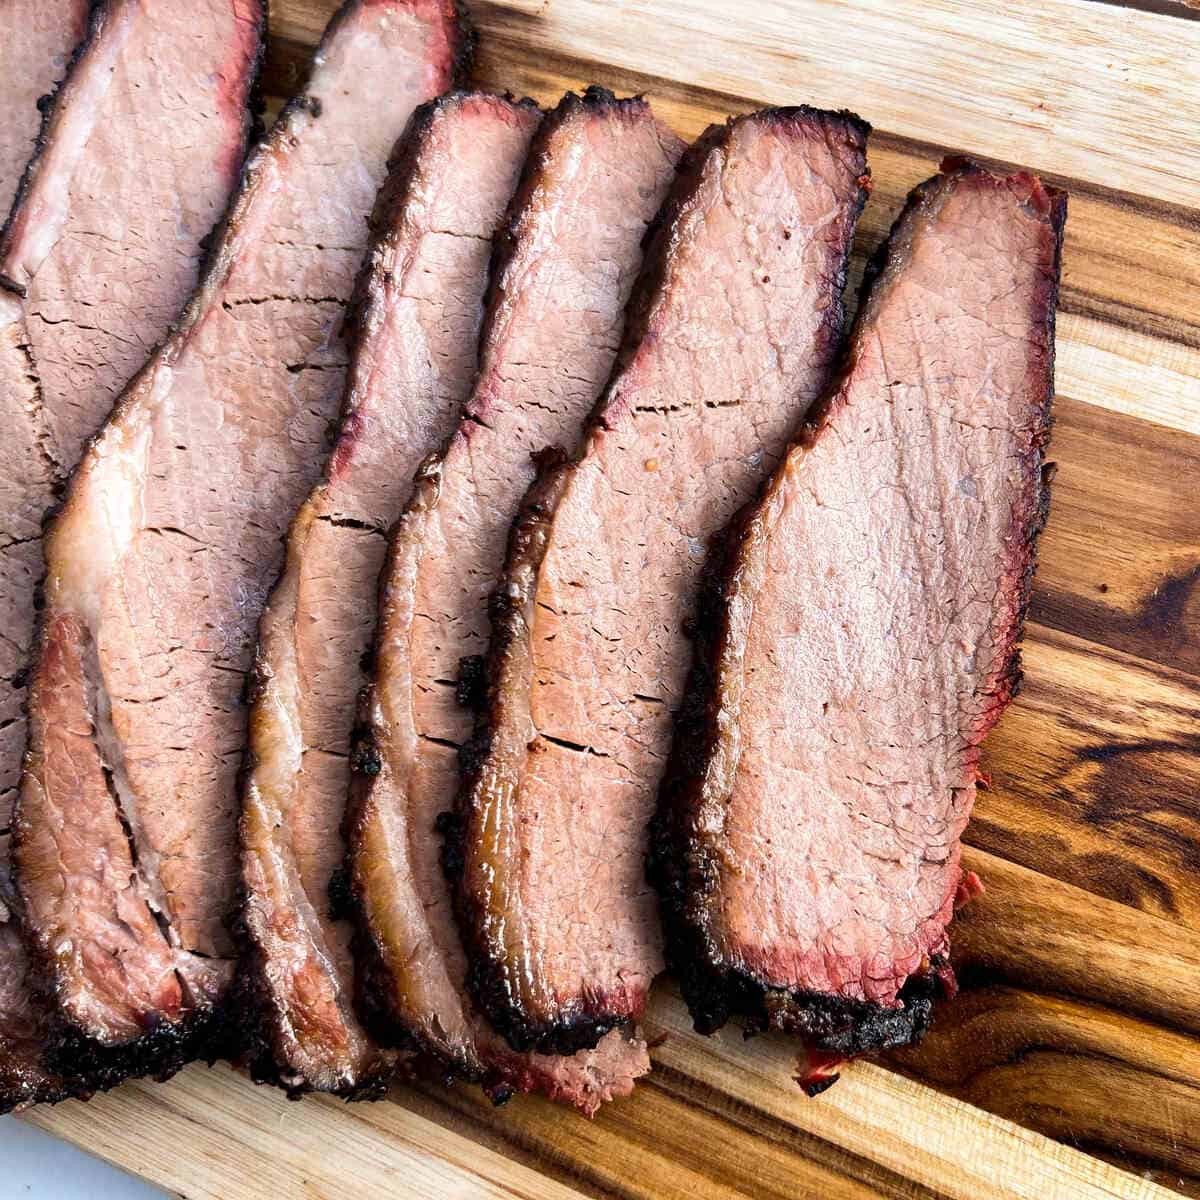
(160, 1052)
(339, 895)
(471, 689)
(813, 1089)
(465, 45)
(365, 758)
(681, 870)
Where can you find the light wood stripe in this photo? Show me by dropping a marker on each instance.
(931, 1138)
(228, 1127)
(1128, 372)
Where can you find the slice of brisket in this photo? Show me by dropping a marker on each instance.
(39, 36)
(99, 254)
(412, 364)
(169, 538)
(597, 173)
(736, 324)
(860, 639)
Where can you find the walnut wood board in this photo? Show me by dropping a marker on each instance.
(1070, 1065)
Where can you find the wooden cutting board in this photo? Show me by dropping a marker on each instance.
(1070, 1065)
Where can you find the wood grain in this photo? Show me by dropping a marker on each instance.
(1070, 1065)
(1071, 87)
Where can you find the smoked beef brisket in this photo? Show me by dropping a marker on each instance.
(860, 638)
(733, 332)
(597, 173)
(39, 36)
(168, 540)
(98, 257)
(413, 361)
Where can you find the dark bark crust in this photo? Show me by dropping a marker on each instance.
(488, 980)
(682, 870)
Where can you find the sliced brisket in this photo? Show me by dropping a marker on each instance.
(860, 639)
(413, 361)
(104, 243)
(39, 36)
(597, 173)
(737, 321)
(170, 536)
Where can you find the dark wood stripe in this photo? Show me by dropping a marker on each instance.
(1120, 573)
(1079, 1073)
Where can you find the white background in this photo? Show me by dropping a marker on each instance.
(36, 1166)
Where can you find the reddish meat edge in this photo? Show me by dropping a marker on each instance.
(139, 961)
(692, 859)
(417, 317)
(566, 263)
(63, 139)
(733, 333)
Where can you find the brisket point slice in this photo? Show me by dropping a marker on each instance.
(566, 262)
(418, 313)
(166, 545)
(858, 638)
(102, 247)
(734, 328)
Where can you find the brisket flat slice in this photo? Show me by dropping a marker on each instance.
(737, 322)
(860, 639)
(104, 243)
(413, 361)
(168, 540)
(39, 36)
(597, 173)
